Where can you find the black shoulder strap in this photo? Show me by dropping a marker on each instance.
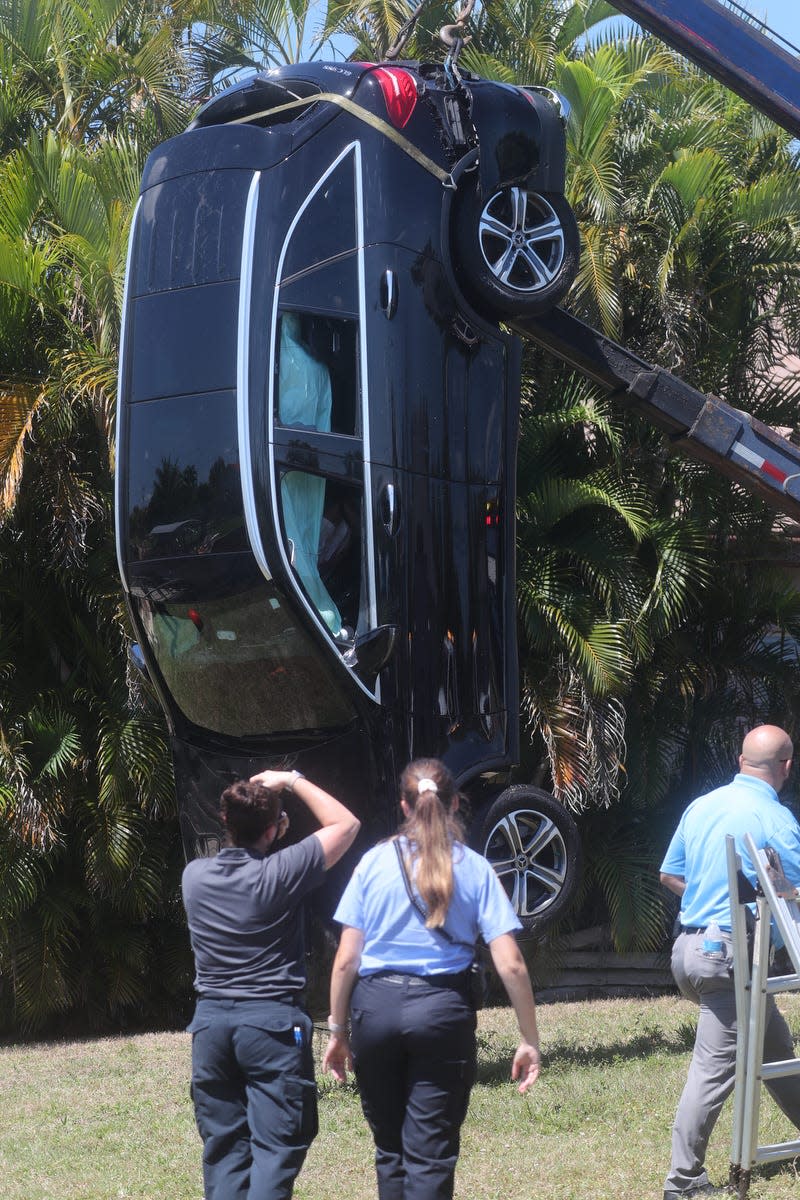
(415, 904)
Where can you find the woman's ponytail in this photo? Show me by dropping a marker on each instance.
(431, 828)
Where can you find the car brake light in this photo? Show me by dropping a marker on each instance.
(399, 93)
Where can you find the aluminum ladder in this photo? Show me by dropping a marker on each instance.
(775, 900)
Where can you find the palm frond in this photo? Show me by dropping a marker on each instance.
(632, 892)
(584, 737)
(18, 408)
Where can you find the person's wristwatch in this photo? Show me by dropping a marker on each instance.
(295, 776)
(334, 1028)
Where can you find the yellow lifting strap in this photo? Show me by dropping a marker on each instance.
(361, 114)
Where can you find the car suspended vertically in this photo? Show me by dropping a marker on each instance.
(317, 434)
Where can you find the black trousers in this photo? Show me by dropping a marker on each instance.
(414, 1057)
(255, 1098)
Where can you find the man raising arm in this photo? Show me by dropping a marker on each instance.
(252, 1066)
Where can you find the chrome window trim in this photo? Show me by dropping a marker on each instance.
(372, 602)
(354, 148)
(243, 377)
(119, 422)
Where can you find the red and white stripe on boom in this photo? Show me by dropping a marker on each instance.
(762, 464)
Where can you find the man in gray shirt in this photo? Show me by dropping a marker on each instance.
(252, 1066)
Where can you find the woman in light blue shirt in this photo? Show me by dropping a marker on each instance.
(401, 978)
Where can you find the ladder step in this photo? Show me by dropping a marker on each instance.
(778, 1151)
(783, 983)
(777, 1070)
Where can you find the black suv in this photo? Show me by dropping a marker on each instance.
(317, 434)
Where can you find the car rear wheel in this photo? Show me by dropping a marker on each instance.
(517, 253)
(534, 846)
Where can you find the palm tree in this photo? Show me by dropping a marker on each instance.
(88, 843)
(88, 71)
(522, 42)
(602, 577)
(505, 40)
(87, 848)
(258, 34)
(691, 258)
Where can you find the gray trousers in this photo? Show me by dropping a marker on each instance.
(706, 980)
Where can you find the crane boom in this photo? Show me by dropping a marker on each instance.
(730, 48)
(739, 446)
(702, 426)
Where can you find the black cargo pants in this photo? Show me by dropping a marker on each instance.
(414, 1055)
(255, 1097)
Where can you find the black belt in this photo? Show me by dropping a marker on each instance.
(290, 1000)
(447, 981)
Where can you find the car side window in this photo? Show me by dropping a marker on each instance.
(184, 488)
(326, 226)
(317, 375)
(317, 412)
(316, 389)
(322, 520)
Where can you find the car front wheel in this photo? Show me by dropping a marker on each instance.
(534, 846)
(517, 253)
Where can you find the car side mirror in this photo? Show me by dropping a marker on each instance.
(374, 649)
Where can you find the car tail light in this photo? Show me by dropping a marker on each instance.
(560, 103)
(399, 93)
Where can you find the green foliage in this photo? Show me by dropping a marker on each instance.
(88, 846)
(88, 838)
(654, 620)
(601, 577)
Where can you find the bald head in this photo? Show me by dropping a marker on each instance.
(767, 754)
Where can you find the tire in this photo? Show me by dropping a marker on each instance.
(534, 846)
(516, 254)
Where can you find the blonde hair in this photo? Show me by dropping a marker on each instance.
(431, 828)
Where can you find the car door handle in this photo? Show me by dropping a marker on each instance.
(390, 509)
(388, 298)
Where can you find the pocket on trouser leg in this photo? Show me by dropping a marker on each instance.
(709, 968)
(439, 1095)
(301, 1110)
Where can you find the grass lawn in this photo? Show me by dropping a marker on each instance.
(111, 1118)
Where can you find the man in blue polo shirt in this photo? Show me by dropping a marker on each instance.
(695, 868)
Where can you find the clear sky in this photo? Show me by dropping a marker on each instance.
(782, 15)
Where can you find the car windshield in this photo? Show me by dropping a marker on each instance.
(233, 657)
